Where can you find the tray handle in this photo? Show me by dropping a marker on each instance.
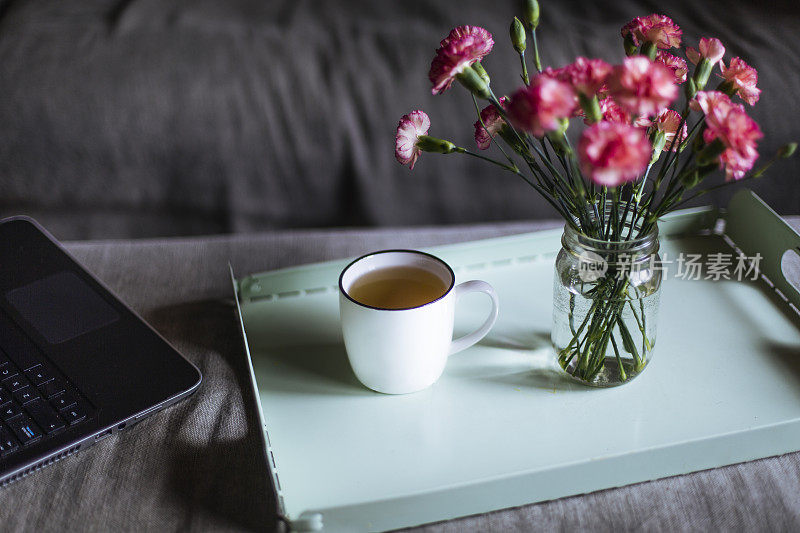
(756, 229)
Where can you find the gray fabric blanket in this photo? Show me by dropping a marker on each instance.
(170, 117)
(198, 466)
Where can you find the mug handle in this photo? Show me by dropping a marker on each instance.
(462, 343)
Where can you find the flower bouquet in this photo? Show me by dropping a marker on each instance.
(654, 138)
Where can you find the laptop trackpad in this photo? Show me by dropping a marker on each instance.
(61, 307)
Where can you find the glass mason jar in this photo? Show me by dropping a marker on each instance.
(605, 306)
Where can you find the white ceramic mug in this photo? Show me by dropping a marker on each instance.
(397, 351)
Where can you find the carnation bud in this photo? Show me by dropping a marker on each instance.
(659, 140)
(649, 49)
(727, 87)
(426, 143)
(558, 137)
(701, 73)
(784, 152)
(630, 45)
(481, 72)
(512, 140)
(787, 150)
(690, 89)
(517, 32)
(474, 82)
(531, 14)
(711, 152)
(563, 124)
(591, 107)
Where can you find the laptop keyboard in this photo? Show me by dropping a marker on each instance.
(36, 401)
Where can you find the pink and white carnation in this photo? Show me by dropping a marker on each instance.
(743, 78)
(711, 103)
(676, 64)
(612, 112)
(711, 49)
(586, 76)
(657, 29)
(612, 154)
(461, 48)
(409, 129)
(493, 121)
(642, 87)
(737, 163)
(540, 107)
(667, 122)
(729, 123)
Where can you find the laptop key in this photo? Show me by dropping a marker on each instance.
(74, 414)
(10, 411)
(25, 395)
(7, 442)
(5, 397)
(63, 401)
(15, 383)
(4, 360)
(39, 375)
(52, 388)
(24, 429)
(8, 371)
(44, 416)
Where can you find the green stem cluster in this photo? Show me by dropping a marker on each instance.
(604, 325)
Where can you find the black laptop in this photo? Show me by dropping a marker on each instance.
(76, 364)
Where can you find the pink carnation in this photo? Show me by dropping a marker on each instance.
(657, 29)
(612, 112)
(643, 122)
(676, 64)
(737, 163)
(729, 123)
(744, 78)
(409, 129)
(710, 49)
(612, 154)
(460, 49)
(587, 76)
(641, 86)
(539, 107)
(667, 122)
(710, 102)
(493, 121)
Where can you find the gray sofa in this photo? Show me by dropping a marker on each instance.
(128, 118)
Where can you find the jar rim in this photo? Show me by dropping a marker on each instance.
(651, 234)
(574, 241)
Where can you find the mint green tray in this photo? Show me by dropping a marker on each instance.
(503, 427)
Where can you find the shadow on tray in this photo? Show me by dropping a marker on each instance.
(787, 356)
(308, 369)
(525, 361)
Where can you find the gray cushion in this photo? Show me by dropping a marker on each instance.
(175, 117)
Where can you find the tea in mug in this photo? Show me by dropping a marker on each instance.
(400, 287)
